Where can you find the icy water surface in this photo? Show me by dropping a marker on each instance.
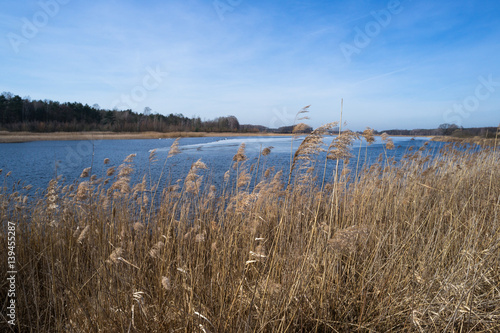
(36, 163)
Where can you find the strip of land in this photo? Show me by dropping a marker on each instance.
(16, 137)
(473, 140)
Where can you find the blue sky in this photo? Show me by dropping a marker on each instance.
(396, 64)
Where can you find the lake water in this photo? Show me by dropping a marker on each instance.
(36, 163)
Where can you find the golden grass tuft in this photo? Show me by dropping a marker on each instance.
(266, 151)
(240, 154)
(85, 173)
(174, 149)
(368, 135)
(389, 144)
(339, 149)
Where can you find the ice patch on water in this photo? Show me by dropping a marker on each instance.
(280, 143)
(231, 144)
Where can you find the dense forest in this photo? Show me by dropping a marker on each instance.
(24, 114)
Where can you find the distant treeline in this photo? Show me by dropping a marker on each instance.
(24, 114)
(447, 130)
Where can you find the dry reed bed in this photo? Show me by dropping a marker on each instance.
(413, 246)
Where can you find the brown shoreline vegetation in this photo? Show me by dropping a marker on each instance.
(405, 247)
(473, 140)
(16, 137)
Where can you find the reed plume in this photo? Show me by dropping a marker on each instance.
(83, 191)
(240, 154)
(368, 135)
(174, 149)
(111, 171)
(152, 156)
(390, 144)
(192, 183)
(85, 173)
(266, 151)
(340, 146)
(310, 146)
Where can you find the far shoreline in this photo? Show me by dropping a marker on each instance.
(20, 137)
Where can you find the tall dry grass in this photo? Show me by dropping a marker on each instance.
(410, 247)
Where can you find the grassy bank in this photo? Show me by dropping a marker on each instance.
(12, 137)
(408, 247)
(472, 140)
